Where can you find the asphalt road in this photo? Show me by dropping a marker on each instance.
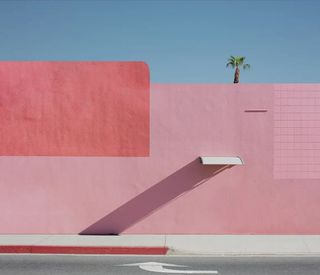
(66, 264)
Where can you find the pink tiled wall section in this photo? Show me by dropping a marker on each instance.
(296, 134)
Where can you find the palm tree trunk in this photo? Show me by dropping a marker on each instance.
(236, 75)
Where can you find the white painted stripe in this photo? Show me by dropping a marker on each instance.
(159, 267)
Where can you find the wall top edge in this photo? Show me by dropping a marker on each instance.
(247, 87)
(232, 84)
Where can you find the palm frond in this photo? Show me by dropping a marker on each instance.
(240, 60)
(246, 66)
(237, 61)
(230, 64)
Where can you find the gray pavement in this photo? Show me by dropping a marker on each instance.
(68, 264)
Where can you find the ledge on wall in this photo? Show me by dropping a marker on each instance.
(221, 160)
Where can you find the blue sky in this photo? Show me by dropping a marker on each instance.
(182, 41)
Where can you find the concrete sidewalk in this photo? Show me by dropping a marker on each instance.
(163, 244)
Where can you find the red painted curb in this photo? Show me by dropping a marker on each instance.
(38, 249)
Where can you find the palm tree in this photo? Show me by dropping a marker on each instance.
(236, 62)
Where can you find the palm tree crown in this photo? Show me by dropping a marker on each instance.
(236, 62)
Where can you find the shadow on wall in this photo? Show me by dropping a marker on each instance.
(149, 201)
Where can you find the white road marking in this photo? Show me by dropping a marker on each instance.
(159, 267)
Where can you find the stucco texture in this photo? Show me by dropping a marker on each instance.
(169, 191)
(74, 109)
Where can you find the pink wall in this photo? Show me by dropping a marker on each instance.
(169, 191)
(74, 109)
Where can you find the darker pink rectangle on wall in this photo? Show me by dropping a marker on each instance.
(74, 109)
